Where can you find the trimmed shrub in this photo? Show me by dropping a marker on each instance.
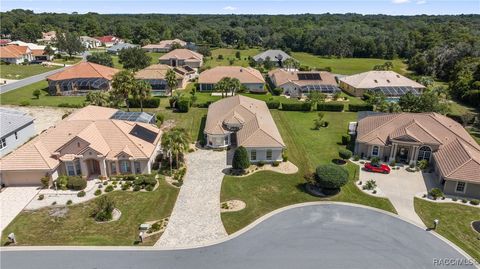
(41, 197)
(345, 139)
(330, 107)
(81, 194)
(345, 154)
(360, 107)
(149, 188)
(356, 157)
(24, 103)
(183, 105)
(474, 202)
(330, 176)
(97, 192)
(70, 105)
(160, 118)
(45, 182)
(109, 188)
(76, 183)
(464, 201)
(423, 164)
(240, 159)
(435, 193)
(370, 185)
(276, 163)
(69, 202)
(147, 103)
(104, 208)
(305, 106)
(375, 160)
(284, 156)
(136, 188)
(273, 104)
(129, 177)
(277, 91)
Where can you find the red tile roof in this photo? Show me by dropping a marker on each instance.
(85, 70)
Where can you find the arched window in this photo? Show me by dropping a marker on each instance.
(375, 151)
(424, 153)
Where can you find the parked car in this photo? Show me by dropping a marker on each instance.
(377, 167)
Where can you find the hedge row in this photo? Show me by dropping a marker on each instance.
(360, 107)
(148, 103)
(306, 106)
(272, 104)
(330, 107)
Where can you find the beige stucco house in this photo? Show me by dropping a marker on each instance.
(249, 77)
(88, 143)
(164, 45)
(244, 121)
(410, 137)
(299, 83)
(182, 57)
(390, 83)
(156, 75)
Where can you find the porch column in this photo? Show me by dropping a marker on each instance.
(132, 166)
(103, 167)
(393, 150)
(413, 155)
(83, 167)
(117, 167)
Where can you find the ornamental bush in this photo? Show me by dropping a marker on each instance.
(97, 192)
(330, 176)
(360, 107)
(435, 193)
(104, 208)
(273, 104)
(240, 159)
(330, 107)
(76, 183)
(109, 188)
(183, 105)
(345, 139)
(345, 154)
(474, 202)
(277, 91)
(81, 194)
(305, 106)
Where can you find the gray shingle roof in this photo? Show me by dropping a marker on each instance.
(12, 120)
(120, 46)
(274, 55)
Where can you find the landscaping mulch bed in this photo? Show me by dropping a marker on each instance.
(476, 226)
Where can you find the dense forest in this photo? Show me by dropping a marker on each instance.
(432, 45)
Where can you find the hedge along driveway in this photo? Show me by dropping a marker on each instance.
(266, 191)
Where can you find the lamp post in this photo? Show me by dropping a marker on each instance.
(435, 223)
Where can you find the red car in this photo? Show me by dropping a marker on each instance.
(379, 168)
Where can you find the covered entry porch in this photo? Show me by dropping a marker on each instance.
(408, 153)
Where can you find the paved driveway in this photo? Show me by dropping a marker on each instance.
(196, 216)
(315, 236)
(401, 186)
(13, 200)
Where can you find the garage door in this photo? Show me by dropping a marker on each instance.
(22, 178)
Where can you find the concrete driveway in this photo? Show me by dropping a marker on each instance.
(196, 216)
(12, 201)
(314, 236)
(401, 186)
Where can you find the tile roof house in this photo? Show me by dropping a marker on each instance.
(14, 54)
(182, 57)
(244, 121)
(388, 82)
(88, 143)
(16, 128)
(249, 77)
(156, 74)
(298, 83)
(276, 56)
(90, 42)
(164, 45)
(109, 40)
(81, 78)
(115, 49)
(411, 137)
(47, 37)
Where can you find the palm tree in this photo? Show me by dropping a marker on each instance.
(234, 85)
(98, 98)
(142, 91)
(123, 84)
(222, 86)
(167, 145)
(171, 79)
(180, 143)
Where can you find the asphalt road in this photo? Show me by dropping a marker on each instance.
(320, 236)
(27, 81)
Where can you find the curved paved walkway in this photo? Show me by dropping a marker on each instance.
(196, 218)
(313, 236)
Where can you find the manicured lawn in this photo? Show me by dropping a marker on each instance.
(79, 228)
(18, 71)
(16, 97)
(266, 191)
(66, 60)
(229, 54)
(346, 66)
(455, 223)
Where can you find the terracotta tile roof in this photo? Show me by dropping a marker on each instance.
(13, 51)
(244, 74)
(259, 129)
(281, 76)
(107, 38)
(106, 136)
(85, 70)
(156, 71)
(456, 147)
(38, 52)
(373, 79)
(182, 54)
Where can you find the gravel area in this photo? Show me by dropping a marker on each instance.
(196, 218)
(45, 117)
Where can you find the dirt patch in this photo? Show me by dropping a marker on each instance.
(58, 212)
(45, 117)
(283, 168)
(232, 206)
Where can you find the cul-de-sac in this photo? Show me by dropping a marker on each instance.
(223, 134)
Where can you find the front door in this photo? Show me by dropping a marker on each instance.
(93, 167)
(403, 154)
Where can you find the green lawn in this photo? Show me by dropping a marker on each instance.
(18, 71)
(264, 192)
(229, 54)
(16, 97)
(79, 228)
(67, 60)
(455, 223)
(346, 66)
